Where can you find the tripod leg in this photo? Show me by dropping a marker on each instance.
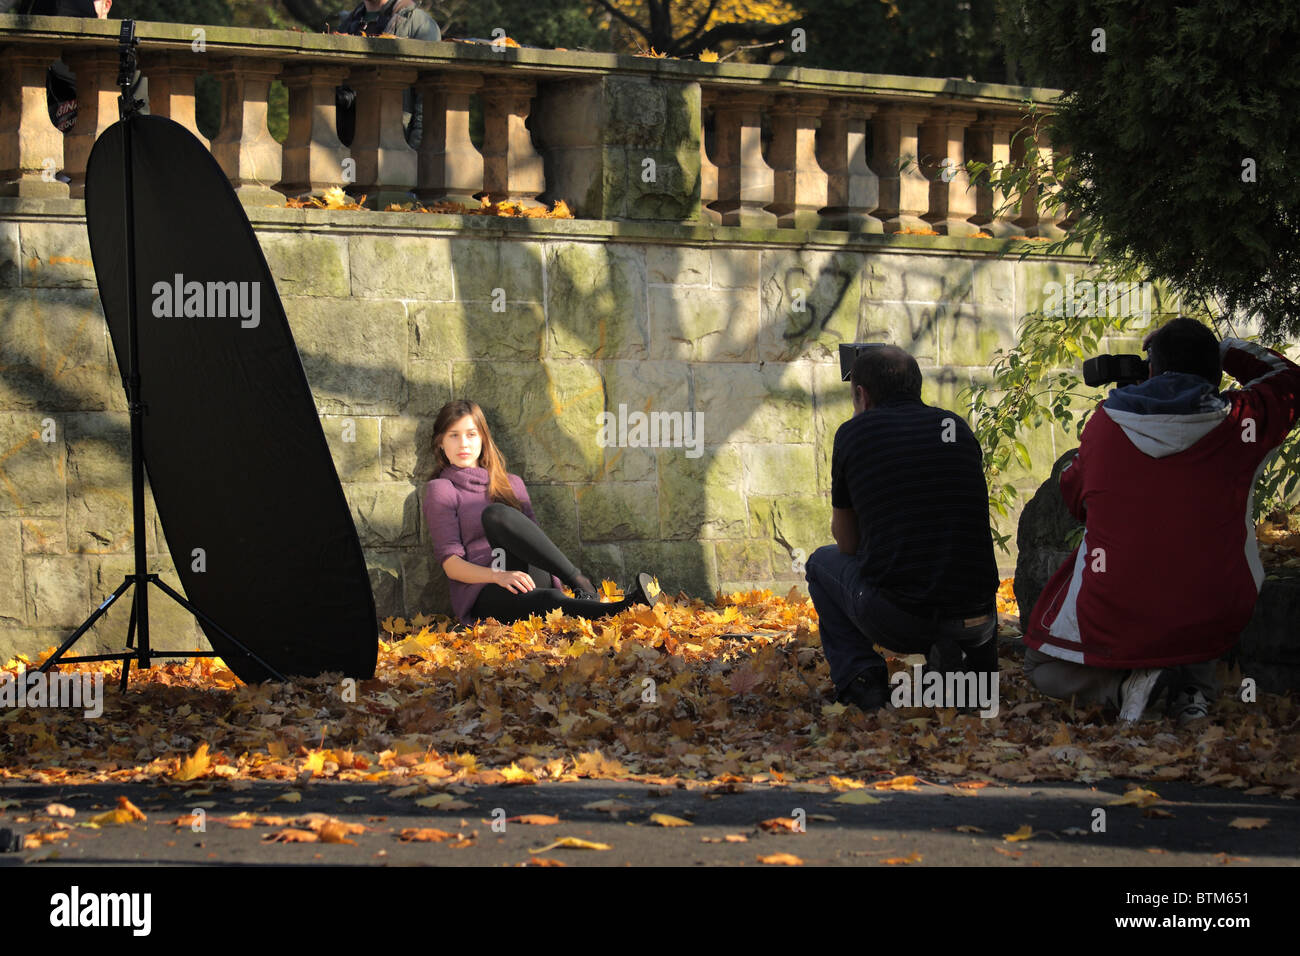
(130, 642)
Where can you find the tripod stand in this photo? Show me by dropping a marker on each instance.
(128, 109)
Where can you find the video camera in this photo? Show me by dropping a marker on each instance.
(849, 352)
(1120, 369)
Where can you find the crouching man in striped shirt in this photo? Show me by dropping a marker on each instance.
(912, 567)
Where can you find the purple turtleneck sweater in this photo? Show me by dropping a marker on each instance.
(453, 507)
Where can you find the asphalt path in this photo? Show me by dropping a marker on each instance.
(1192, 826)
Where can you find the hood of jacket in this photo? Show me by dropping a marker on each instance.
(1167, 414)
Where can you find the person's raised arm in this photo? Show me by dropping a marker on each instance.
(1271, 383)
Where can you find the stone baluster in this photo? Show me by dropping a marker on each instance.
(31, 147)
(512, 169)
(171, 89)
(314, 158)
(799, 184)
(991, 136)
(943, 147)
(449, 164)
(386, 163)
(708, 169)
(243, 146)
(97, 96)
(1024, 215)
(852, 189)
(745, 180)
(1050, 221)
(904, 190)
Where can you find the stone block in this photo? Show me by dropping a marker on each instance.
(993, 284)
(385, 571)
(810, 303)
(354, 445)
(13, 601)
(701, 497)
(925, 279)
(616, 512)
(401, 267)
(406, 448)
(58, 590)
(971, 337)
(742, 561)
(779, 469)
(428, 387)
(832, 407)
(353, 366)
(795, 522)
(604, 562)
(703, 325)
(386, 513)
(424, 586)
(596, 302)
(54, 350)
(481, 266)
(10, 266)
(910, 326)
(471, 330)
(735, 269)
(33, 468)
(740, 403)
(677, 265)
(307, 263)
(56, 255)
(44, 536)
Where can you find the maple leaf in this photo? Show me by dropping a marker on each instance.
(665, 820)
(780, 859)
(573, 843)
(1249, 823)
(1026, 832)
(124, 812)
(192, 768)
(708, 56)
(744, 680)
(1136, 797)
(291, 835)
(534, 819)
(910, 858)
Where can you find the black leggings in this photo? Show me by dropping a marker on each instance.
(527, 548)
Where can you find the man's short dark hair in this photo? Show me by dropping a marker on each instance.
(1185, 345)
(887, 374)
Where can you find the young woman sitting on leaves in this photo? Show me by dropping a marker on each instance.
(476, 510)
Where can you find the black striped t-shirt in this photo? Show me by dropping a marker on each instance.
(913, 475)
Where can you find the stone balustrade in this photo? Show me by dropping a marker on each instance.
(615, 137)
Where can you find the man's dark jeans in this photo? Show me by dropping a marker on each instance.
(854, 615)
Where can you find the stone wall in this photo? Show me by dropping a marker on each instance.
(547, 324)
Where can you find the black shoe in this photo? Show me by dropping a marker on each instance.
(646, 590)
(945, 656)
(869, 691)
(585, 591)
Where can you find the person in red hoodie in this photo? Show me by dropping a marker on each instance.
(1168, 571)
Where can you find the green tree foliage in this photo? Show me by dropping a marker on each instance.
(960, 38)
(1179, 117)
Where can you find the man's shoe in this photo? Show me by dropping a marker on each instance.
(1189, 705)
(869, 691)
(945, 656)
(1140, 689)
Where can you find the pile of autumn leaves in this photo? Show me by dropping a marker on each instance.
(734, 692)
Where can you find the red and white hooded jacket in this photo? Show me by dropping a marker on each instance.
(1168, 570)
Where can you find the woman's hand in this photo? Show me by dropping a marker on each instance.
(516, 582)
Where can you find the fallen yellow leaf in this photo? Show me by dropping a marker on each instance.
(573, 843)
(1024, 833)
(192, 768)
(666, 820)
(780, 859)
(856, 797)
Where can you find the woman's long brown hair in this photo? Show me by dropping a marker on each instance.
(490, 456)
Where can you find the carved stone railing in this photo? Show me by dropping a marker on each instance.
(616, 137)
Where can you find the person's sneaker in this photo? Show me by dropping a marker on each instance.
(1189, 705)
(1139, 690)
(869, 691)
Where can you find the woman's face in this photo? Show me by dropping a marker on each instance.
(462, 444)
